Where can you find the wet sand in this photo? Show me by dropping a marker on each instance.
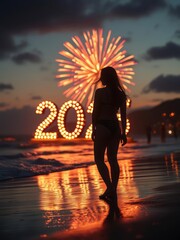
(65, 205)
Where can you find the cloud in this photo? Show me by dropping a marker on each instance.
(44, 16)
(4, 86)
(137, 9)
(25, 118)
(9, 46)
(47, 16)
(36, 98)
(44, 68)
(19, 17)
(166, 84)
(17, 121)
(3, 104)
(170, 50)
(175, 11)
(25, 57)
(177, 34)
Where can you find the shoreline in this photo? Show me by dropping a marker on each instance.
(63, 205)
(85, 165)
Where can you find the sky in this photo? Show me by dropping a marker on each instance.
(33, 32)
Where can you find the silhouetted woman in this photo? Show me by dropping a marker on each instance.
(107, 133)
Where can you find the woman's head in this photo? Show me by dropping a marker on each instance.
(110, 78)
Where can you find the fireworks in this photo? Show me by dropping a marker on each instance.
(80, 64)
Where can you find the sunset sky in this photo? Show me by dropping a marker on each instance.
(33, 32)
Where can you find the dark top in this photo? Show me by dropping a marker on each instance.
(105, 108)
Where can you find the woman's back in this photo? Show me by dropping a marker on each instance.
(107, 103)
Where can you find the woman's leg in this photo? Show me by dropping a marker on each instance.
(112, 150)
(102, 136)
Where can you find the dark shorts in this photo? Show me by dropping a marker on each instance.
(111, 125)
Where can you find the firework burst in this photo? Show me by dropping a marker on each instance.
(81, 62)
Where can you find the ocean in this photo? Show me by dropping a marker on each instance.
(25, 158)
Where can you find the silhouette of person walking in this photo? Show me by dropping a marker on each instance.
(175, 131)
(107, 133)
(148, 133)
(163, 132)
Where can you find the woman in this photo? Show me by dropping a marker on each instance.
(106, 130)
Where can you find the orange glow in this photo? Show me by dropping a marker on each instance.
(172, 114)
(171, 164)
(164, 114)
(39, 134)
(174, 164)
(51, 193)
(58, 191)
(80, 64)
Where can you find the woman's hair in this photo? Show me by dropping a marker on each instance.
(110, 78)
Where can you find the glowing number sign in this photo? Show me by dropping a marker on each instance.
(127, 123)
(89, 130)
(39, 134)
(61, 120)
(79, 123)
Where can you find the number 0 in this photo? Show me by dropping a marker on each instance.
(62, 119)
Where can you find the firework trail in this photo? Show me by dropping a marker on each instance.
(80, 64)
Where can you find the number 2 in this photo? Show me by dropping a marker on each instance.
(39, 134)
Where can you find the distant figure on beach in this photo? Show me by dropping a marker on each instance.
(148, 133)
(175, 131)
(163, 132)
(107, 133)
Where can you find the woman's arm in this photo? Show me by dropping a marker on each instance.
(95, 112)
(123, 120)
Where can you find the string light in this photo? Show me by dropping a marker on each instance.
(39, 134)
(90, 110)
(89, 130)
(62, 119)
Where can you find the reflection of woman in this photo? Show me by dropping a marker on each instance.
(106, 131)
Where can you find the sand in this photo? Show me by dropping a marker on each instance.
(65, 205)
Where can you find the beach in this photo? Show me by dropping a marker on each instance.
(65, 204)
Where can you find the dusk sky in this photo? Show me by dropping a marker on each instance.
(33, 32)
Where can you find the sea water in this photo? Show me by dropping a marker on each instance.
(25, 158)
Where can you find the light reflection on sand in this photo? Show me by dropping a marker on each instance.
(174, 164)
(78, 191)
(171, 165)
(70, 198)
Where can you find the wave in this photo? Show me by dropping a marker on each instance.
(29, 159)
(26, 168)
(86, 151)
(35, 154)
